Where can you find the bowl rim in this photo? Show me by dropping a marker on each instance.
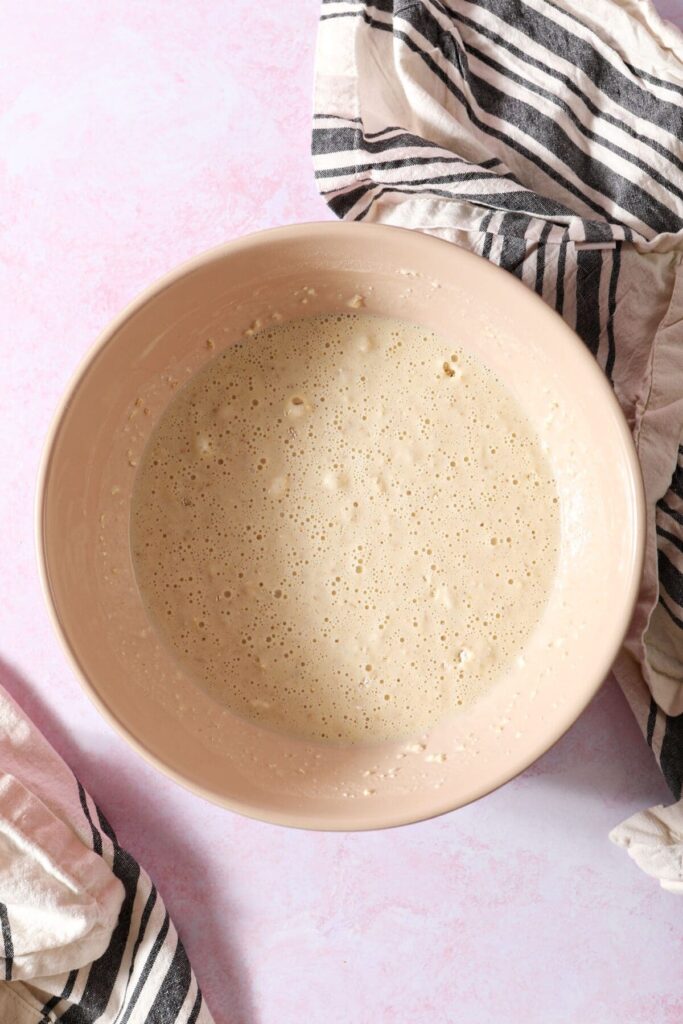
(313, 230)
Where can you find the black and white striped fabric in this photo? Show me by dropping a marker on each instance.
(546, 136)
(142, 975)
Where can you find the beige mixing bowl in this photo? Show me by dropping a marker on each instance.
(85, 493)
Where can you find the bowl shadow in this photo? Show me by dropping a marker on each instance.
(604, 755)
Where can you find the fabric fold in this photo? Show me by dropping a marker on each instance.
(654, 839)
(61, 898)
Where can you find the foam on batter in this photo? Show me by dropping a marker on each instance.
(345, 528)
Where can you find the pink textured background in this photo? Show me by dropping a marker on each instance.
(133, 135)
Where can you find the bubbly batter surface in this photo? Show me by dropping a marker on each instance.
(345, 528)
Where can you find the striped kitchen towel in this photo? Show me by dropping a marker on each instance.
(547, 136)
(84, 934)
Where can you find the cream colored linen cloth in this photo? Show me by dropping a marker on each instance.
(547, 136)
(84, 935)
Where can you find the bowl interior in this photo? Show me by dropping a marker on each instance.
(106, 421)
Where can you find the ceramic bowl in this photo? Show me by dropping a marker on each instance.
(84, 507)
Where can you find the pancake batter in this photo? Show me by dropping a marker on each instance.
(345, 528)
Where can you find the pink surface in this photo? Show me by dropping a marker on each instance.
(133, 136)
